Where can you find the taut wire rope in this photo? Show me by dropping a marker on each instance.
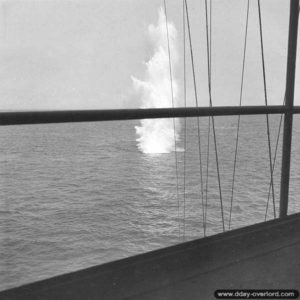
(266, 102)
(239, 117)
(196, 99)
(274, 160)
(185, 129)
(208, 129)
(174, 126)
(213, 121)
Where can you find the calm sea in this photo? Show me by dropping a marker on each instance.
(77, 195)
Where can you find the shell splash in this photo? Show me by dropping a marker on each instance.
(157, 135)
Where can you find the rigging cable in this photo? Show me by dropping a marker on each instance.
(266, 102)
(196, 99)
(274, 160)
(174, 126)
(239, 117)
(213, 121)
(208, 130)
(185, 130)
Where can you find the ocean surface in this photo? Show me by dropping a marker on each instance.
(76, 195)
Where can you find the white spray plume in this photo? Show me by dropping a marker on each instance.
(157, 135)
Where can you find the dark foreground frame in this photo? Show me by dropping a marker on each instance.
(260, 256)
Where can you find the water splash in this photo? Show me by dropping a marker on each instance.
(157, 135)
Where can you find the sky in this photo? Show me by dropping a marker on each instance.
(82, 54)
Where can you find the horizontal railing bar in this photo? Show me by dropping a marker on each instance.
(42, 117)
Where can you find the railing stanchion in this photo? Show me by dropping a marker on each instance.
(288, 117)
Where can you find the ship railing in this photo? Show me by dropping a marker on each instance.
(43, 117)
(46, 117)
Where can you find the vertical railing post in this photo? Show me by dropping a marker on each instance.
(289, 102)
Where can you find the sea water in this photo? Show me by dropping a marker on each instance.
(77, 195)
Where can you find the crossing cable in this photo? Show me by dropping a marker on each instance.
(274, 160)
(174, 126)
(208, 130)
(213, 121)
(239, 117)
(266, 102)
(196, 99)
(185, 129)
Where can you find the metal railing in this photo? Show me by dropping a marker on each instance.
(43, 117)
(46, 117)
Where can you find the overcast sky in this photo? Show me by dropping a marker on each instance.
(77, 54)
